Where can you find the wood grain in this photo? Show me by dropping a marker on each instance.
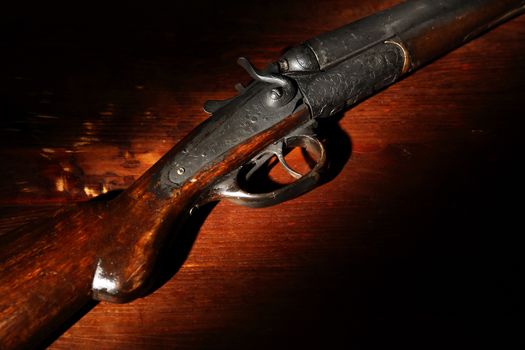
(414, 242)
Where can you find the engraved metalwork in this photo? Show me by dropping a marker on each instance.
(234, 123)
(327, 74)
(339, 86)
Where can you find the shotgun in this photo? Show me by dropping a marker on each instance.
(108, 249)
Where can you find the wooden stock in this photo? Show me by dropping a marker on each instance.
(46, 272)
(48, 268)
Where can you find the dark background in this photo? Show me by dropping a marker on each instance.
(416, 242)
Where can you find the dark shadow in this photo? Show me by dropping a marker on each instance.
(175, 252)
(106, 196)
(54, 335)
(338, 145)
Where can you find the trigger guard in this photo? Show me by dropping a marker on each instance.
(231, 190)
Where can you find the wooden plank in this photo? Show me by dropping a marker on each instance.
(413, 243)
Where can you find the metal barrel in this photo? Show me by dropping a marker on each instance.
(427, 28)
(339, 68)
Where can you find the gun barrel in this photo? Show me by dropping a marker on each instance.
(427, 28)
(341, 68)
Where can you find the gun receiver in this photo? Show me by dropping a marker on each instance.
(98, 250)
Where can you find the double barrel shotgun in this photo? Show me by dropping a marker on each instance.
(107, 250)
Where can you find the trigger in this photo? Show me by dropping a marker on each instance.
(280, 157)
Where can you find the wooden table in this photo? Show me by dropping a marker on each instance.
(415, 243)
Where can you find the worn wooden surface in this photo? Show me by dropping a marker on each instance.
(414, 243)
